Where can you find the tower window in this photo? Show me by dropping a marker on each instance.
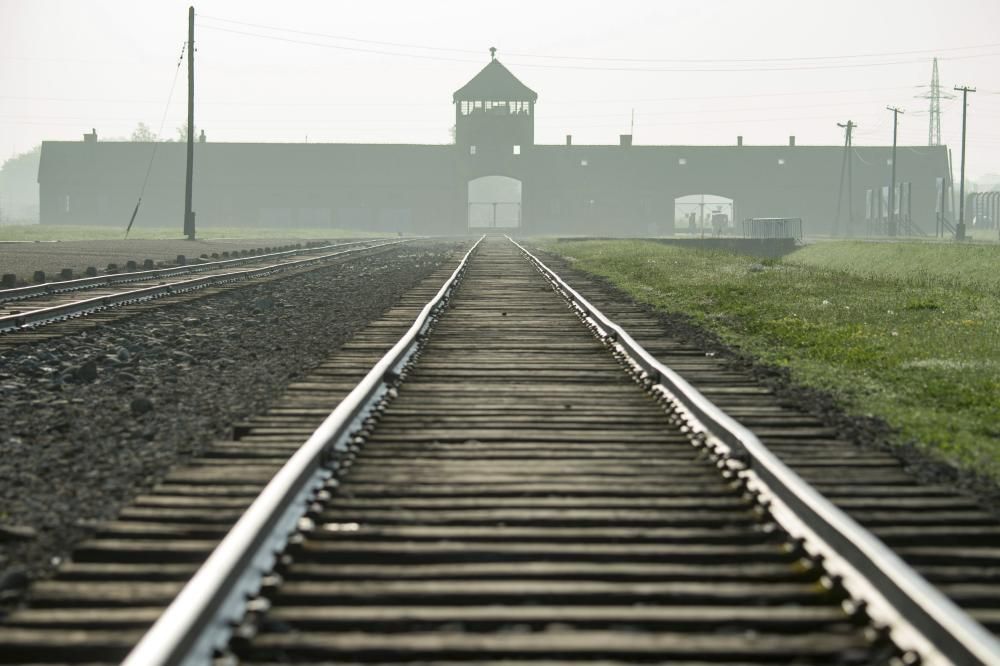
(682, 161)
(472, 150)
(517, 150)
(583, 162)
(781, 161)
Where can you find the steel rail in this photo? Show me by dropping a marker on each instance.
(63, 286)
(15, 322)
(200, 618)
(917, 615)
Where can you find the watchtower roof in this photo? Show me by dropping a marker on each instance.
(495, 82)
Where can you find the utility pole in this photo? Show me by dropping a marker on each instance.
(892, 188)
(703, 216)
(846, 164)
(188, 180)
(960, 229)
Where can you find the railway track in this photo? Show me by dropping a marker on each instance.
(507, 484)
(25, 310)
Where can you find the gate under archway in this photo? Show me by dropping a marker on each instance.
(494, 202)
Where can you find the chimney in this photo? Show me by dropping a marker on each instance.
(791, 140)
(569, 139)
(624, 140)
(739, 140)
(202, 139)
(92, 137)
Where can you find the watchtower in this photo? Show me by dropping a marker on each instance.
(494, 111)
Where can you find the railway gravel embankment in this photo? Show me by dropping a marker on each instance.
(88, 421)
(24, 258)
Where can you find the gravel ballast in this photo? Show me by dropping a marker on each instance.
(88, 421)
(23, 259)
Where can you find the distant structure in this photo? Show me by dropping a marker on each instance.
(493, 175)
(494, 109)
(934, 95)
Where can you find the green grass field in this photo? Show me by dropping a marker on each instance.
(39, 232)
(909, 332)
(973, 266)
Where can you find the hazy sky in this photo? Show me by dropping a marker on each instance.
(696, 72)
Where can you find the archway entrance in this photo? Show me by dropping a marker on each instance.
(705, 215)
(494, 202)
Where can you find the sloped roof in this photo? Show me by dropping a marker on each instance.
(495, 82)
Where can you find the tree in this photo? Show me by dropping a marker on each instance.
(143, 133)
(19, 187)
(182, 133)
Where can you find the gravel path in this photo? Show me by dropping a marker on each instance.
(23, 259)
(87, 422)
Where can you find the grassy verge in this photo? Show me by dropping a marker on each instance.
(906, 331)
(971, 266)
(39, 232)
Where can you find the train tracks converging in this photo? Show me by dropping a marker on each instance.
(515, 479)
(25, 309)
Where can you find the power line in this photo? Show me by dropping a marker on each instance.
(737, 121)
(714, 110)
(156, 144)
(338, 47)
(796, 93)
(590, 68)
(341, 37)
(601, 58)
(556, 101)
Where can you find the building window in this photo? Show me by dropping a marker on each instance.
(472, 150)
(583, 162)
(781, 161)
(67, 203)
(517, 150)
(888, 162)
(682, 161)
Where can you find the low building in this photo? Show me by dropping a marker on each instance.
(493, 175)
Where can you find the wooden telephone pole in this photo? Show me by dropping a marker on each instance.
(960, 228)
(846, 164)
(892, 188)
(189, 230)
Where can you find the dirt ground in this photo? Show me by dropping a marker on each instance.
(24, 258)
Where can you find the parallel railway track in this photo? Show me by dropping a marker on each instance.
(507, 485)
(28, 308)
